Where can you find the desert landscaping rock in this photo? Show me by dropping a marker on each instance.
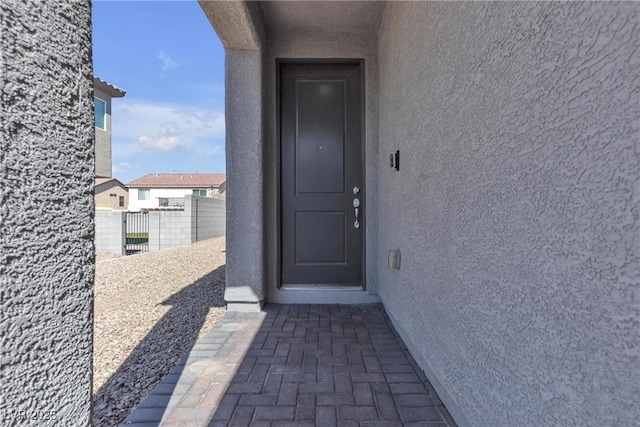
(149, 310)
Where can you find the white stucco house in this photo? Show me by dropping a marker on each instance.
(513, 195)
(158, 190)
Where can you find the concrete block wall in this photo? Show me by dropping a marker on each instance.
(169, 229)
(110, 232)
(202, 218)
(46, 236)
(210, 217)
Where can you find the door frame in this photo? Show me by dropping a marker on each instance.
(278, 160)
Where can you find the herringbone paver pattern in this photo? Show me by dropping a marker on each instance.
(297, 365)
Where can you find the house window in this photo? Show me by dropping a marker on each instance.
(200, 192)
(144, 194)
(121, 201)
(100, 109)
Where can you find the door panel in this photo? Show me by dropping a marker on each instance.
(328, 246)
(320, 136)
(321, 162)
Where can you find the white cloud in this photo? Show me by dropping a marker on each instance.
(140, 126)
(120, 167)
(163, 143)
(167, 62)
(166, 141)
(211, 151)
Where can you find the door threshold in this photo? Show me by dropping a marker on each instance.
(321, 286)
(321, 294)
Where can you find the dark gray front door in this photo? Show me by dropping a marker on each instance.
(322, 174)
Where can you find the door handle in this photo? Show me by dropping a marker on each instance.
(356, 205)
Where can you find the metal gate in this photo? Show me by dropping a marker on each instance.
(137, 233)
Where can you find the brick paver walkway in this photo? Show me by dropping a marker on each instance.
(296, 365)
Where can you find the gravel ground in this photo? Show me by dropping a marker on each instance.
(149, 311)
(105, 257)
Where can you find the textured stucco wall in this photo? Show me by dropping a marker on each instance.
(244, 149)
(240, 27)
(103, 139)
(516, 205)
(238, 24)
(329, 46)
(46, 212)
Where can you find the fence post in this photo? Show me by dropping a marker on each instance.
(190, 215)
(122, 232)
(154, 231)
(194, 222)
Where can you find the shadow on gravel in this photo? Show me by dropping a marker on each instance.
(171, 338)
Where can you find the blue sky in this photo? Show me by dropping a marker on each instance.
(168, 58)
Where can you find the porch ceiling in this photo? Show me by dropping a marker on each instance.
(356, 17)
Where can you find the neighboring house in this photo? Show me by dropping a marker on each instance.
(515, 204)
(157, 190)
(103, 92)
(110, 193)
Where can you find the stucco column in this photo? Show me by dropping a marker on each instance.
(241, 30)
(245, 226)
(46, 212)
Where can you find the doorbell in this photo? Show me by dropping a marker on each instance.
(394, 160)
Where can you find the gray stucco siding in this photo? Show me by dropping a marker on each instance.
(516, 205)
(46, 206)
(240, 27)
(245, 227)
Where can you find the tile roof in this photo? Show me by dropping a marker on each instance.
(179, 180)
(103, 180)
(99, 181)
(107, 87)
